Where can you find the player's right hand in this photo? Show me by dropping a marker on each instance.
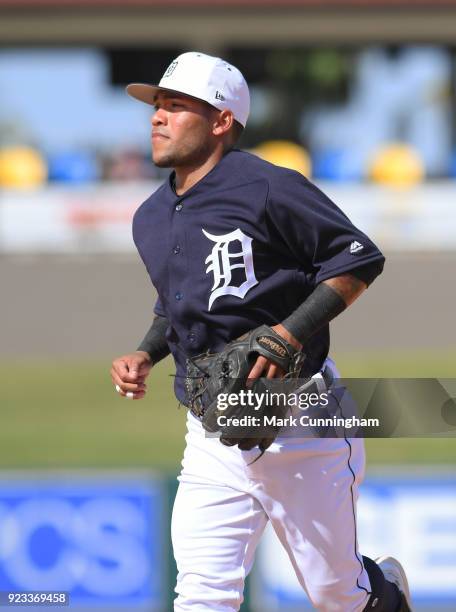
(129, 372)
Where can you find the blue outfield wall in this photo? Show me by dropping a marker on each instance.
(103, 537)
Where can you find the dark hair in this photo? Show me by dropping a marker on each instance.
(236, 132)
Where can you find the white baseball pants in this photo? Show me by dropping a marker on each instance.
(307, 488)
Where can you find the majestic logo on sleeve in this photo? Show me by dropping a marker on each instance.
(356, 247)
(224, 258)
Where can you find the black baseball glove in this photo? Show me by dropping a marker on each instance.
(212, 377)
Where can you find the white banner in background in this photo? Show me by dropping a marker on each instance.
(93, 219)
(97, 218)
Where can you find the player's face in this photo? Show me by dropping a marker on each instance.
(181, 131)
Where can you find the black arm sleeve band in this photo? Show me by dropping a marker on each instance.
(369, 272)
(322, 305)
(154, 342)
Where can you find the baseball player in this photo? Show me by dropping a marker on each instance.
(232, 242)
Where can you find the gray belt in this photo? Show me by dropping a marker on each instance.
(318, 383)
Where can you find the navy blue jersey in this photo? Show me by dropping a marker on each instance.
(244, 246)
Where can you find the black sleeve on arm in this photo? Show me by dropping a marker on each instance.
(369, 272)
(154, 342)
(322, 305)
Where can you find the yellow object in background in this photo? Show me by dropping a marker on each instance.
(398, 165)
(22, 168)
(285, 153)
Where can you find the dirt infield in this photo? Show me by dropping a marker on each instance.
(101, 306)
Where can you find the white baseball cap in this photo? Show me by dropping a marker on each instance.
(204, 77)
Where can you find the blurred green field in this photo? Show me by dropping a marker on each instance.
(67, 415)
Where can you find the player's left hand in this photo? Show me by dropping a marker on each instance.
(266, 367)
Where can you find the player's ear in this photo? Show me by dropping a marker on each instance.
(223, 122)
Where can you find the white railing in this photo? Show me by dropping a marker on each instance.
(97, 218)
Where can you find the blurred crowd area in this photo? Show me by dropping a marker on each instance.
(380, 113)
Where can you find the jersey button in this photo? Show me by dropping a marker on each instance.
(178, 207)
(176, 250)
(178, 296)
